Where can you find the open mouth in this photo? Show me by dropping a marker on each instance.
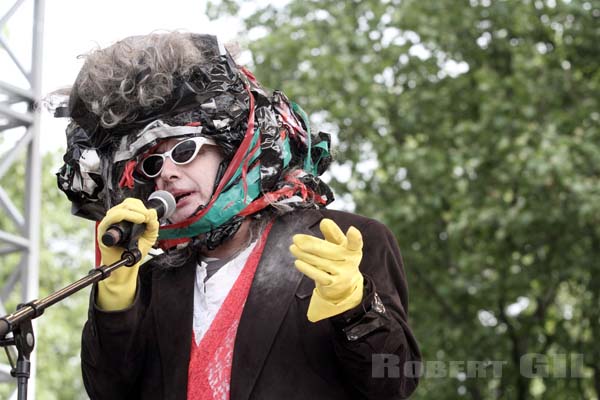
(182, 196)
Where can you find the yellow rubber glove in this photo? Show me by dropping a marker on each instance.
(118, 290)
(332, 263)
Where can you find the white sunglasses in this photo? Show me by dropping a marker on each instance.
(182, 153)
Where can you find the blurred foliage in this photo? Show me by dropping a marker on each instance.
(66, 254)
(471, 129)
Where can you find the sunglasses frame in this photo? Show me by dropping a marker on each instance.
(200, 141)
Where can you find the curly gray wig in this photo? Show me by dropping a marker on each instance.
(136, 71)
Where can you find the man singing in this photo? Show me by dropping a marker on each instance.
(251, 289)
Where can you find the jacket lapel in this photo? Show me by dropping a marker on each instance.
(272, 291)
(175, 295)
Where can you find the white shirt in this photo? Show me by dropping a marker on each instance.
(210, 295)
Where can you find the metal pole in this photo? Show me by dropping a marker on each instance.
(24, 236)
(34, 182)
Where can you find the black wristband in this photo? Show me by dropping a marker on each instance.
(364, 318)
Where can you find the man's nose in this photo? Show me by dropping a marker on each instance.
(170, 170)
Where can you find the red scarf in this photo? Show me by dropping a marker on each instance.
(209, 372)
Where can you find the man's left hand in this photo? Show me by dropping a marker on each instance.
(332, 263)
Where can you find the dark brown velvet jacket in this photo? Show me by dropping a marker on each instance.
(143, 352)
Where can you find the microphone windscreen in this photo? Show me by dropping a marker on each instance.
(168, 202)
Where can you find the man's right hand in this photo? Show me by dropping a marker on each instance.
(118, 290)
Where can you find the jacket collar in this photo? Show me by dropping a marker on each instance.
(273, 289)
(175, 294)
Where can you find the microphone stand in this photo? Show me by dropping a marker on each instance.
(19, 322)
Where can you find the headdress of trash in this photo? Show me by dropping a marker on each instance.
(270, 156)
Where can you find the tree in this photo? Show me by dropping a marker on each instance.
(66, 254)
(471, 129)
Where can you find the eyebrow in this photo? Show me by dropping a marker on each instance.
(161, 146)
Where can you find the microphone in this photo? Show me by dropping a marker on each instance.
(124, 232)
